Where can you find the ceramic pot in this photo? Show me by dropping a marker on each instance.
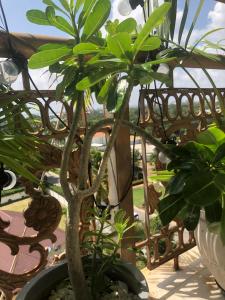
(212, 250)
(40, 286)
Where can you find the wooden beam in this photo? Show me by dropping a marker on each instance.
(223, 1)
(25, 44)
(198, 61)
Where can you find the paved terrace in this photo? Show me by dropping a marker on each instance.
(193, 281)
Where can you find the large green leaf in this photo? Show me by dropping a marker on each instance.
(177, 183)
(48, 57)
(213, 212)
(37, 16)
(116, 96)
(51, 3)
(169, 207)
(99, 75)
(153, 21)
(65, 4)
(120, 45)
(191, 222)
(58, 21)
(78, 5)
(219, 180)
(211, 136)
(96, 19)
(51, 46)
(194, 22)
(106, 90)
(151, 43)
(220, 153)
(172, 17)
(201, 190)
(129, 25)
(85, 48)
(183, 20)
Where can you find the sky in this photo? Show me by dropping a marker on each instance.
(212, 16)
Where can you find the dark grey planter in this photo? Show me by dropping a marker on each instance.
(39, 288)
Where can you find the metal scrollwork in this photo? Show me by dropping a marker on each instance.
(43, 215)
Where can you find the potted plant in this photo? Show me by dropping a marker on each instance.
(108, 67)
(195, 194)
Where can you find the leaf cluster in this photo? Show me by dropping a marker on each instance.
(92, 62)
(102, 244)
(198, 182)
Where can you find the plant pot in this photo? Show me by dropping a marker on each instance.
(212, 250)
(40, 286)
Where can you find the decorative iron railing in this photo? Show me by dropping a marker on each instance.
(181, 113)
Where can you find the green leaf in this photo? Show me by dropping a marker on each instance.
(194, 22)
(58, 21)
(183, 20)
(172, 16)
(153, 21)
(151, 43)
(106, 90)
(219, 154)
(48, 57)
(51, 3)
(169, 207)
(85, 48)
(129, 25)
(78, 5)
(96, 19)
(211, 136)
(120, 45)
(219, 180)
(191, 222)
(37, 17)
(177, 183)
(213, 212)
(51, 46)
(201, 190)
(204, 35)
(164, 78)
(94, 78)
(116, 96)
(65, 4)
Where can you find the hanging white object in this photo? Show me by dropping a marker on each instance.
(164, 69)
(124, 7)
(8, 72)
(12, 180)
(163, 158)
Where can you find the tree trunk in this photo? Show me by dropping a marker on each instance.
(75, 266)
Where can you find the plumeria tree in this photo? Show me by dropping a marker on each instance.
(109, 67)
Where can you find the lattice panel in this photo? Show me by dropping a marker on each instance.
(183, 112)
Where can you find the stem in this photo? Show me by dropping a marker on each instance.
(75, 266)
(73, 254)
(94, 271)
(112, 139)
(68, 149)
(86, 149)
(98, 126)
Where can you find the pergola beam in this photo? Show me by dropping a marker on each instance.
(25, 43)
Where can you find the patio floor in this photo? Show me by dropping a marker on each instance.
(193, 281)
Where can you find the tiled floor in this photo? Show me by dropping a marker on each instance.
(193, 281)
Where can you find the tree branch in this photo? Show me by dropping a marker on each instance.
(68, 149)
